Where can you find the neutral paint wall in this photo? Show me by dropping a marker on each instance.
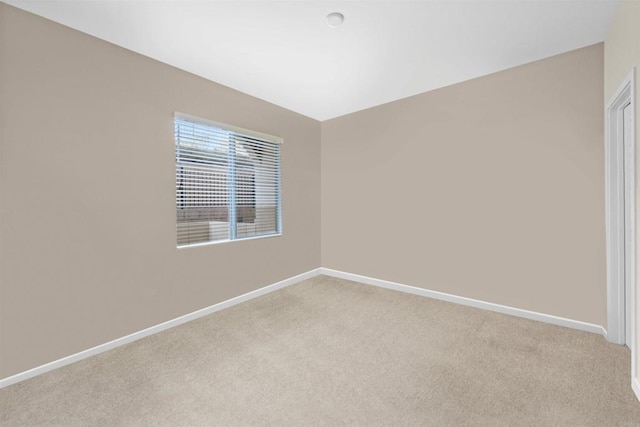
(621, 54)
(491, 189)
(88, 194)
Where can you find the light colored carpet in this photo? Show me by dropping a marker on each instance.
(332, 352)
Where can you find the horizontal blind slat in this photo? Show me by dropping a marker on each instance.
(207, 157)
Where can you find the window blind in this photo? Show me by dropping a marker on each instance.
(227, 183)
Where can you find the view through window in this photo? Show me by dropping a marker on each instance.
(227, 183)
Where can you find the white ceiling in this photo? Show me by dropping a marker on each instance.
(285, 53)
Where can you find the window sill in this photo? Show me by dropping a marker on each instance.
(217, 242)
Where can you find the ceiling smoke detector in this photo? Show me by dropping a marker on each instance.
(335, 19)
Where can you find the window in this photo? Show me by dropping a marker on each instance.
(227, 183)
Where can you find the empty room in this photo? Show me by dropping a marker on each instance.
(292, 213)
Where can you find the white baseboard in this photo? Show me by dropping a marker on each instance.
(635, 385)
(532, 315)
(155, 329)
(575, 324)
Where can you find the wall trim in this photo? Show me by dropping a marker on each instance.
(532, 315)
(546, 318)
(635, 386)
(620, 214)
(155, 329)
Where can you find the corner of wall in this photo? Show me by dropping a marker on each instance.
(320, 201)
(2, 62)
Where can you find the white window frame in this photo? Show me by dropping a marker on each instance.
(250, 133)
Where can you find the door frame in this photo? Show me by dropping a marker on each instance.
(616, 174)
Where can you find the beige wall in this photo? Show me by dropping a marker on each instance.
(88, 248)
(490, 189)
(621, 54)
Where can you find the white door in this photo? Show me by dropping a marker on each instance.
(621, 219)
(627, 122)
